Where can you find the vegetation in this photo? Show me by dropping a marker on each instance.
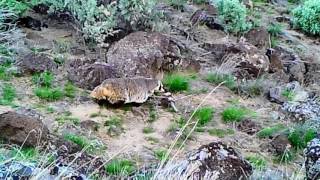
(114, 125)
(176, 82)
(70, 90)
(148, 130)
(235, 114)
(160, 154)
(252, 88)
(44, 79)
(299, 137)
(258, 162)
(122, 167)
(289, 94)
(178, 4)
(204, 115)
(8, 94)
(217, 78)
(271, 131)
(16, 6)
(67, 118)
(82, 141)
(233, 13)
(49, 94)
(307, 17)
(221, 133)
(275, 29)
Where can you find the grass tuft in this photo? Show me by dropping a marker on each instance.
(218, 78)
(176, 82)
(49, 94)
(271, 131)
(204, 115)
(221, 133)
(70, 90)
(235, 114)
(120, 167)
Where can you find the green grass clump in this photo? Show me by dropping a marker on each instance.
(289, 94)
(49, 94)
(204, 115)
(148, 130)
(18, 7)
(271, 131)
(27, 153)
(160, 154)
(218, 78)
(299, 137)
(122, 167)
(176, 82)
(67, 118)
(221, 133)
(70, 90)
(8, 94)
(258, 162)
(114, 125)
(82, 141)
(199, 1)
(44, 79)
(235, 114)
(275, 29)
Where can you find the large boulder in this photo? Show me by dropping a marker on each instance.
(312, 157)
(144, 54)
(36, 62)
(88, 73)
(213, 161)
(22, 129)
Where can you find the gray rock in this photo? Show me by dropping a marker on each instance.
(298, 94)
(34, 62)
(312, 156)
(310, 109)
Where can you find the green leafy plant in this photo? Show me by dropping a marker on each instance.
(235, 114)
(204, 115)
(258, 162)
(123, 167)
(289, 94)
(275, 29)
(26, 153)
(233, 13)
(271, 131)
(221, 133)
(218, 78)
(299, 137)
(44, 79)
(307, 17)
(160, 154)
(67, 118)
(176, 82)
(8, 94)
(49, 94)
(18, 7)
(147, 130)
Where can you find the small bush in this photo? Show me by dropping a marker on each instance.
(27, 153)
(176, 82)
(307, 17)
(67, 118)
(18, 7)
(275, 29)
(258, 162)
(8, 94)
(44, 79)
(49, 94)
(235, 114)
(233, 13)
(122, 167)
(160, 154)
(204, 115)
(199, 1)
(70, 90)
(271, 131)
(252, 88)
(221, 133)
(218, 78)
(299, 137)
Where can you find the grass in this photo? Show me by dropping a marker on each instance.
(178, 4)
(218, 78)
(27, 153)
(70, 90)
(81, 141)
(67, 118)
(275, 29)
(44, 79)
(221, 133)
(299, 137)
(8, 94)
(152, 140)
(235, 114)
(120, 167)
(271, 131)
(153, 114)
(258, 162)
(289, 94)
(49, 94)
(160, 154)
(114, 125)
(252, 88)
(204, 115)
(176, 82)
(148, 130)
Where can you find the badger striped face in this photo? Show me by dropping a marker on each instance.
(159, 88)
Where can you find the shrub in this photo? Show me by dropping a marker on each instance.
(274, 29)
(176, 82)
(233, 13)
(307, 17)
(204, 115)
(221, 133)
(235, 114)
(49, 94)
(289, 94)
(299, 137)
(8, 94)
(252, 88)
(199, 1)
(70, 90)
(218, 78)
(271, 131)
(43, 79)
(82, 141)
(18, 7)
(258, 162)
(120, 167)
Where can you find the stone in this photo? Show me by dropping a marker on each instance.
(312, 159)
(280, 144)
(127, 90)
(276, 64)
(258, 37)
(213, 161)
(297, 93)
(36, 63)
(248, 126)
(22, 130)
(144, 54)
(88, 73)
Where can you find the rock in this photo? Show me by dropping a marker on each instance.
(127, 90)
(292, 92)
(275, 61)
(307, 110)
(88, 74)
(312, 159)
(213, 161)
(258, 37)
(248, 4)
(144, 54)
(280, 144)
(19, 129)
(89, 125)
(248, 126)
(202, 17)
(33, 62)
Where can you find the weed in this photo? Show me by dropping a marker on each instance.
(221, 133)
(82, 141)
(15, 6)
(27, 153)
(70, 90)
(147, 130)
(44, 79)
(235, 114)
(62, 46)
(258, 162)
(218, 78)
(49, 94)
(122, 167)
(271, 131)
(199, 1)
(299, 137)
(114, 125)
(8, 94)
(152, 140)
(289, 94)
(275, 29)
(160, 154)
(63, 119)
(153, 114)
(286, 157)
(252, 88)
(204, 115)
(50, 110)
(176, 82)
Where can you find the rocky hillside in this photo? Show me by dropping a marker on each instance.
(171, 89)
